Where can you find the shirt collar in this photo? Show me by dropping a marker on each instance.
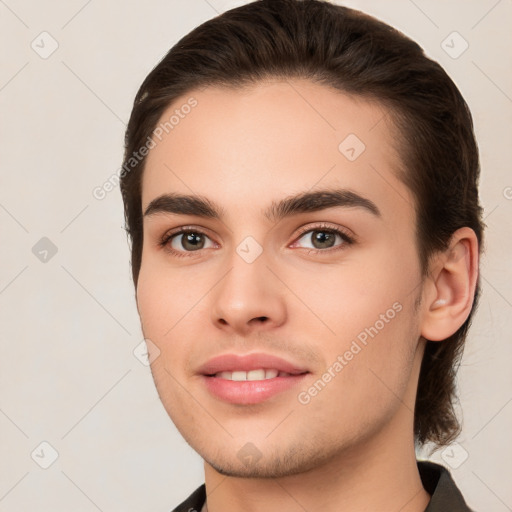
(438, 482)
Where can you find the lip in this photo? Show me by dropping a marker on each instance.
(248, 362)
(249, 392)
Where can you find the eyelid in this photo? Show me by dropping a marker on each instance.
(324, 225)
(184, 229)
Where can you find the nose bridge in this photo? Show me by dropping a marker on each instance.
(247, 259)
(248, 291)
(246, 278)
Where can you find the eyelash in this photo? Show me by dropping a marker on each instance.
(347, 239)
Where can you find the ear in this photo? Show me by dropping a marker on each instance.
(449, 296)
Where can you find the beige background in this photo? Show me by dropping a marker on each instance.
(69, 325)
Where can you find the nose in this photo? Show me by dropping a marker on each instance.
(249, 297)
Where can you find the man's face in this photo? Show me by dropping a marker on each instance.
(331, 292)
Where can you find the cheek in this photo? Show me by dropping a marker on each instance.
(151, 302)
(165, 296)
(370, 311)
(172, 305)
(161, 306)
(367, 373)
(365, 292)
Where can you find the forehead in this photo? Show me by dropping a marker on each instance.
(244, 147)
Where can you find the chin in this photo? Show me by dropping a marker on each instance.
(296, 460)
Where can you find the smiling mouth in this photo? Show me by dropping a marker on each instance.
(250, 378)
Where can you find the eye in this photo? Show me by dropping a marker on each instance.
(318, 239)
(323, 239)
(186, 240)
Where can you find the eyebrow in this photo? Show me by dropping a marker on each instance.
(301, 203)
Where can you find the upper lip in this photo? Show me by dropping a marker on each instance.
(248, 362)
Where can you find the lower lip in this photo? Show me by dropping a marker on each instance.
(247, 392)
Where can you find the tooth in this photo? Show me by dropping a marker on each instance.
(256, 375)
(260, 374)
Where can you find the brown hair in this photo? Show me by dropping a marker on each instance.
(356, 54)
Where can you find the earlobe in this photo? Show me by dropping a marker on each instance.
(454, 280)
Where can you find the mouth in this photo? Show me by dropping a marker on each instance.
(241, 375)
(249, 379)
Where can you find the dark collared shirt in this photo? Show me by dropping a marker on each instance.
(436, 479)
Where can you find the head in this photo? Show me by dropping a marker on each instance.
(298, 79)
